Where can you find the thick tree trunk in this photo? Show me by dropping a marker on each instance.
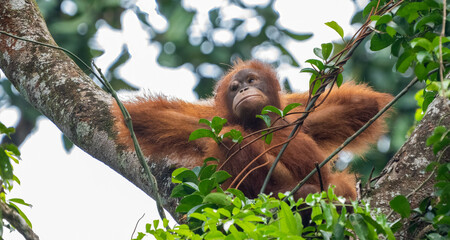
(405, 173)
(60, 90)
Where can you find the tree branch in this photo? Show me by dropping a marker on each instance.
(14, 218)
(60, 90)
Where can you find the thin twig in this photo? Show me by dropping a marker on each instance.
(135, 226)
(320, 177)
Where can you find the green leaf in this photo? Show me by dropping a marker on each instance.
(268, 137)
(207, 171)
(265, 118)
(369, 7)
(22, 214)
(423, 43)
(391, 31)
(287, 223)
(183, 189)
(327, 48)
(289, 107)
(6, 171)
(268, 109)
(187, 176)
(12, 148)
(206, 186)
(219, 199)
(317, 63)
(336, 28)
(396, 47)
(401, 205)
(339, 80)
(188, 202)
(236, 192)
(431, 19)
(316, 86)
(404, 61)
(201, 133)
(5, 130)
(384, 19)
(198, 216)
(309, 70)
(224, 212)
(20, 201)
(380, 41)
(318, 53)
(217, 124)
(68, 145)
(410, 11)
(298, 36)
(439, 139)
(428, 97)
(234, 135)
(221, 176)
(360, 226)
(205, 121)
(339, 229)
(421, 71)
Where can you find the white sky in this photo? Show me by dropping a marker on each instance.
(75, 196)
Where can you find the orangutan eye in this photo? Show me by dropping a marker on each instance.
(234, 86)
(251, 80)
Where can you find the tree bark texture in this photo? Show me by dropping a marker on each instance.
(60, 90)
(405, 173)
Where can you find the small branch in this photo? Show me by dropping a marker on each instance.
(137, 223)
(14, 218)
(320, 177)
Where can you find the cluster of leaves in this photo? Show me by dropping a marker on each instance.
(8, 153)
(323, 66)
(217, 123)
(216, 126)
(413, 33)
(213, 213)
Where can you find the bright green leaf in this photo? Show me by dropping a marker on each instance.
(336, 28)
(423, 43)
(201, 133)
(268, 109)
(220, 199)
(317, 63)
(327, 48)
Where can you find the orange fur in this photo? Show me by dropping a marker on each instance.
(163, 127)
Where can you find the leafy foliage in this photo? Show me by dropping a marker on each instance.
(213, 213)
(8, 153)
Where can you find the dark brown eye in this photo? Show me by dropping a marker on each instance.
(251, 80)
(234, 86)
